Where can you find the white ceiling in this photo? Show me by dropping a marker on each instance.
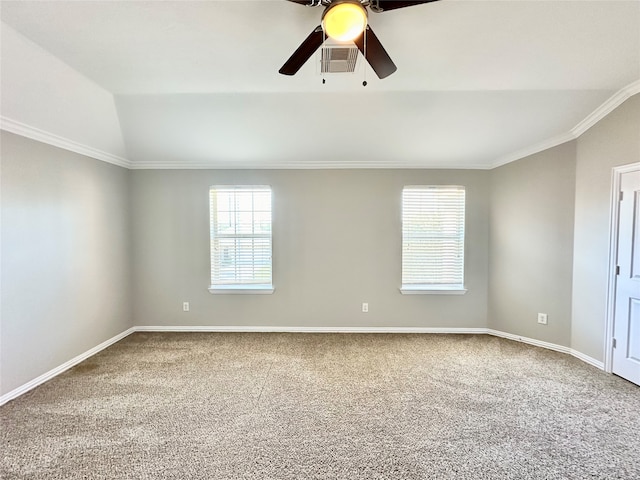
(197, 83)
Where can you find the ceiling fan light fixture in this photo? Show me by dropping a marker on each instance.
(344, 22)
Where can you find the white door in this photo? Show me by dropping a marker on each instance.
(626, 320)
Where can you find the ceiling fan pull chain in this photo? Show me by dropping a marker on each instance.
(323, 58)
(364, 68)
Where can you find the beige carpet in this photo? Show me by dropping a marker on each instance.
(316, 406)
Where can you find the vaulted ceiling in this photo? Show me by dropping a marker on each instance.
(479, 83)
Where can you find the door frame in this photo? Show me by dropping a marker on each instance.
(614, 217)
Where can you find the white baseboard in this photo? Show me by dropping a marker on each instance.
(587, 359)
(291, 329)
(299, 329)
(530, 341)
(549, 346)
(62, 368)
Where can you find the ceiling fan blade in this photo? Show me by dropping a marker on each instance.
(384, 5)
(307, 3)
(375, 54)
(304, 52)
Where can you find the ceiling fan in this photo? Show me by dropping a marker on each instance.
(346, 21)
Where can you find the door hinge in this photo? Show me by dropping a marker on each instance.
(614, 343)
(621, 195)
(617, 269)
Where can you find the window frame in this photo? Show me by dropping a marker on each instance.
(434, 288)
(240, 287)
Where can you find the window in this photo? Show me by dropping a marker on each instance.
(240, 239)
(433, 239)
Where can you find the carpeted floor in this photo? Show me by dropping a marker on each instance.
(324, 406)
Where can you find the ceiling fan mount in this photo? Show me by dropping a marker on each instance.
(347, 21)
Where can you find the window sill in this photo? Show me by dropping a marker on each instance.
(432, 290)
(241, 289)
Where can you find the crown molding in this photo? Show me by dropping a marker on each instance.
(594, 117)
(537, 148)
(606, 108)
(34, 133)
(299, 166)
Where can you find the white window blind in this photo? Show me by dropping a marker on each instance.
(433, 237)
(240, 236)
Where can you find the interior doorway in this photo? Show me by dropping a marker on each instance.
(623, 332)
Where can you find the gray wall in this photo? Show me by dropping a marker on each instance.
(613, 141)
(65, 257)
(79, 236)
(337, 243)
(531, 245)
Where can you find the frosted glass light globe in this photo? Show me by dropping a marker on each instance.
(344, 21)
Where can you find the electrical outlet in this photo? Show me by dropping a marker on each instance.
(185, 306)
(542, 318)
(365, 307)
